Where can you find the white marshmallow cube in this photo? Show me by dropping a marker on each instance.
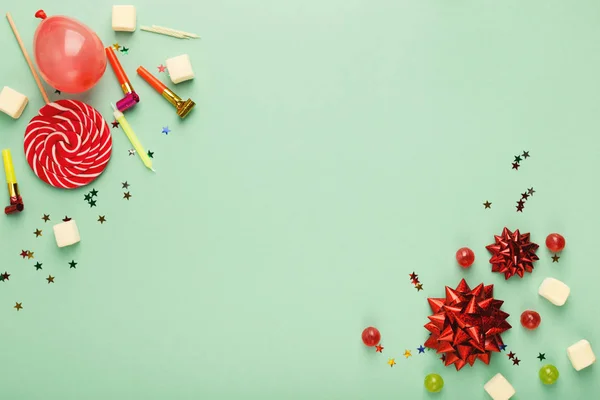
(555, 291)
(12, 102)
(180, 68)
(499, 388)
(66, 233)
(123, 18)
(581, 355)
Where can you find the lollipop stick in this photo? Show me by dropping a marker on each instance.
(31, 67)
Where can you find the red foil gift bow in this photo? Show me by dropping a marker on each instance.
(466, 325)
(512, 253)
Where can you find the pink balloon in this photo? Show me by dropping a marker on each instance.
(69, 55)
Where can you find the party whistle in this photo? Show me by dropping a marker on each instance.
(16, 202)
(131, 97)
(183, 107)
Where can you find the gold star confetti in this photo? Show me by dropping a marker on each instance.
(46, 217)
(555, 258)
(419, 287)
(487, 204)
(116, 46)
(392, 362)
(29, 254)
(18, 306)
(50, 279)
(407, 353)
(101, 219)
(37, 233)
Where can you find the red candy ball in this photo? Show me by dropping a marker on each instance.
(465, 257)
(530, 319)
(555, 242)
(371, 336)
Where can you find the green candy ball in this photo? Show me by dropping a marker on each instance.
(548, 374)
(434, 383)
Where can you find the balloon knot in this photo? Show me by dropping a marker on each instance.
(40, 14)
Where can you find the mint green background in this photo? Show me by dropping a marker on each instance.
(336, 147)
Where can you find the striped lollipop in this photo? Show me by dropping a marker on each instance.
(68, 144)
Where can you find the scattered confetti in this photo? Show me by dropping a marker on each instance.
(150, 154)
(542, 356)
(502, 347)
(57, 92)
(414, 279)
(115, 124)
(87, 197)
(555, 258)
(29, 254)
(66, 219)
(166, 130)
(37, 233)
(131, 152)
(487, 204)
(516, 361)
(38, 266)
(73, 264)
(116, 46)
(4, 276)
(379, 348)
(511, 355)
(94, 192)
(124, 50)
(126, 195)
(18, 306)
(407, 353)
(524, 196)
(24, 253)
(46, 217)
(413, 276)
(391, 362)
(101, 219)
(161, 68)
(50, 279)
(421, 349)
(125, 185)
(517, 163)
(92, 203)
(419, 287)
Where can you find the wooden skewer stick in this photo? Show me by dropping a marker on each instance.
(154, 30)
(24, 51)
(191, 35)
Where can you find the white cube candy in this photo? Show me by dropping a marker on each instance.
(581, 355)
(123, 18)
(66, 233)
(499, 388)
(180, 68)
(554, 291)
(12, 102)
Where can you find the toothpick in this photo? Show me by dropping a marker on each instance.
(191, 35)
(24, 51)
(153, 30)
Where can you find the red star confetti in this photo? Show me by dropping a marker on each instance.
(24, 253)
(515, 166)
(516, 361)
(161, 68)
(379, 348)
(115, 124)
(512, 253)
(66, 219)
(511, 355)
(523, 199)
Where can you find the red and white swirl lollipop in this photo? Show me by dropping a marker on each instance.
(68, 144)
